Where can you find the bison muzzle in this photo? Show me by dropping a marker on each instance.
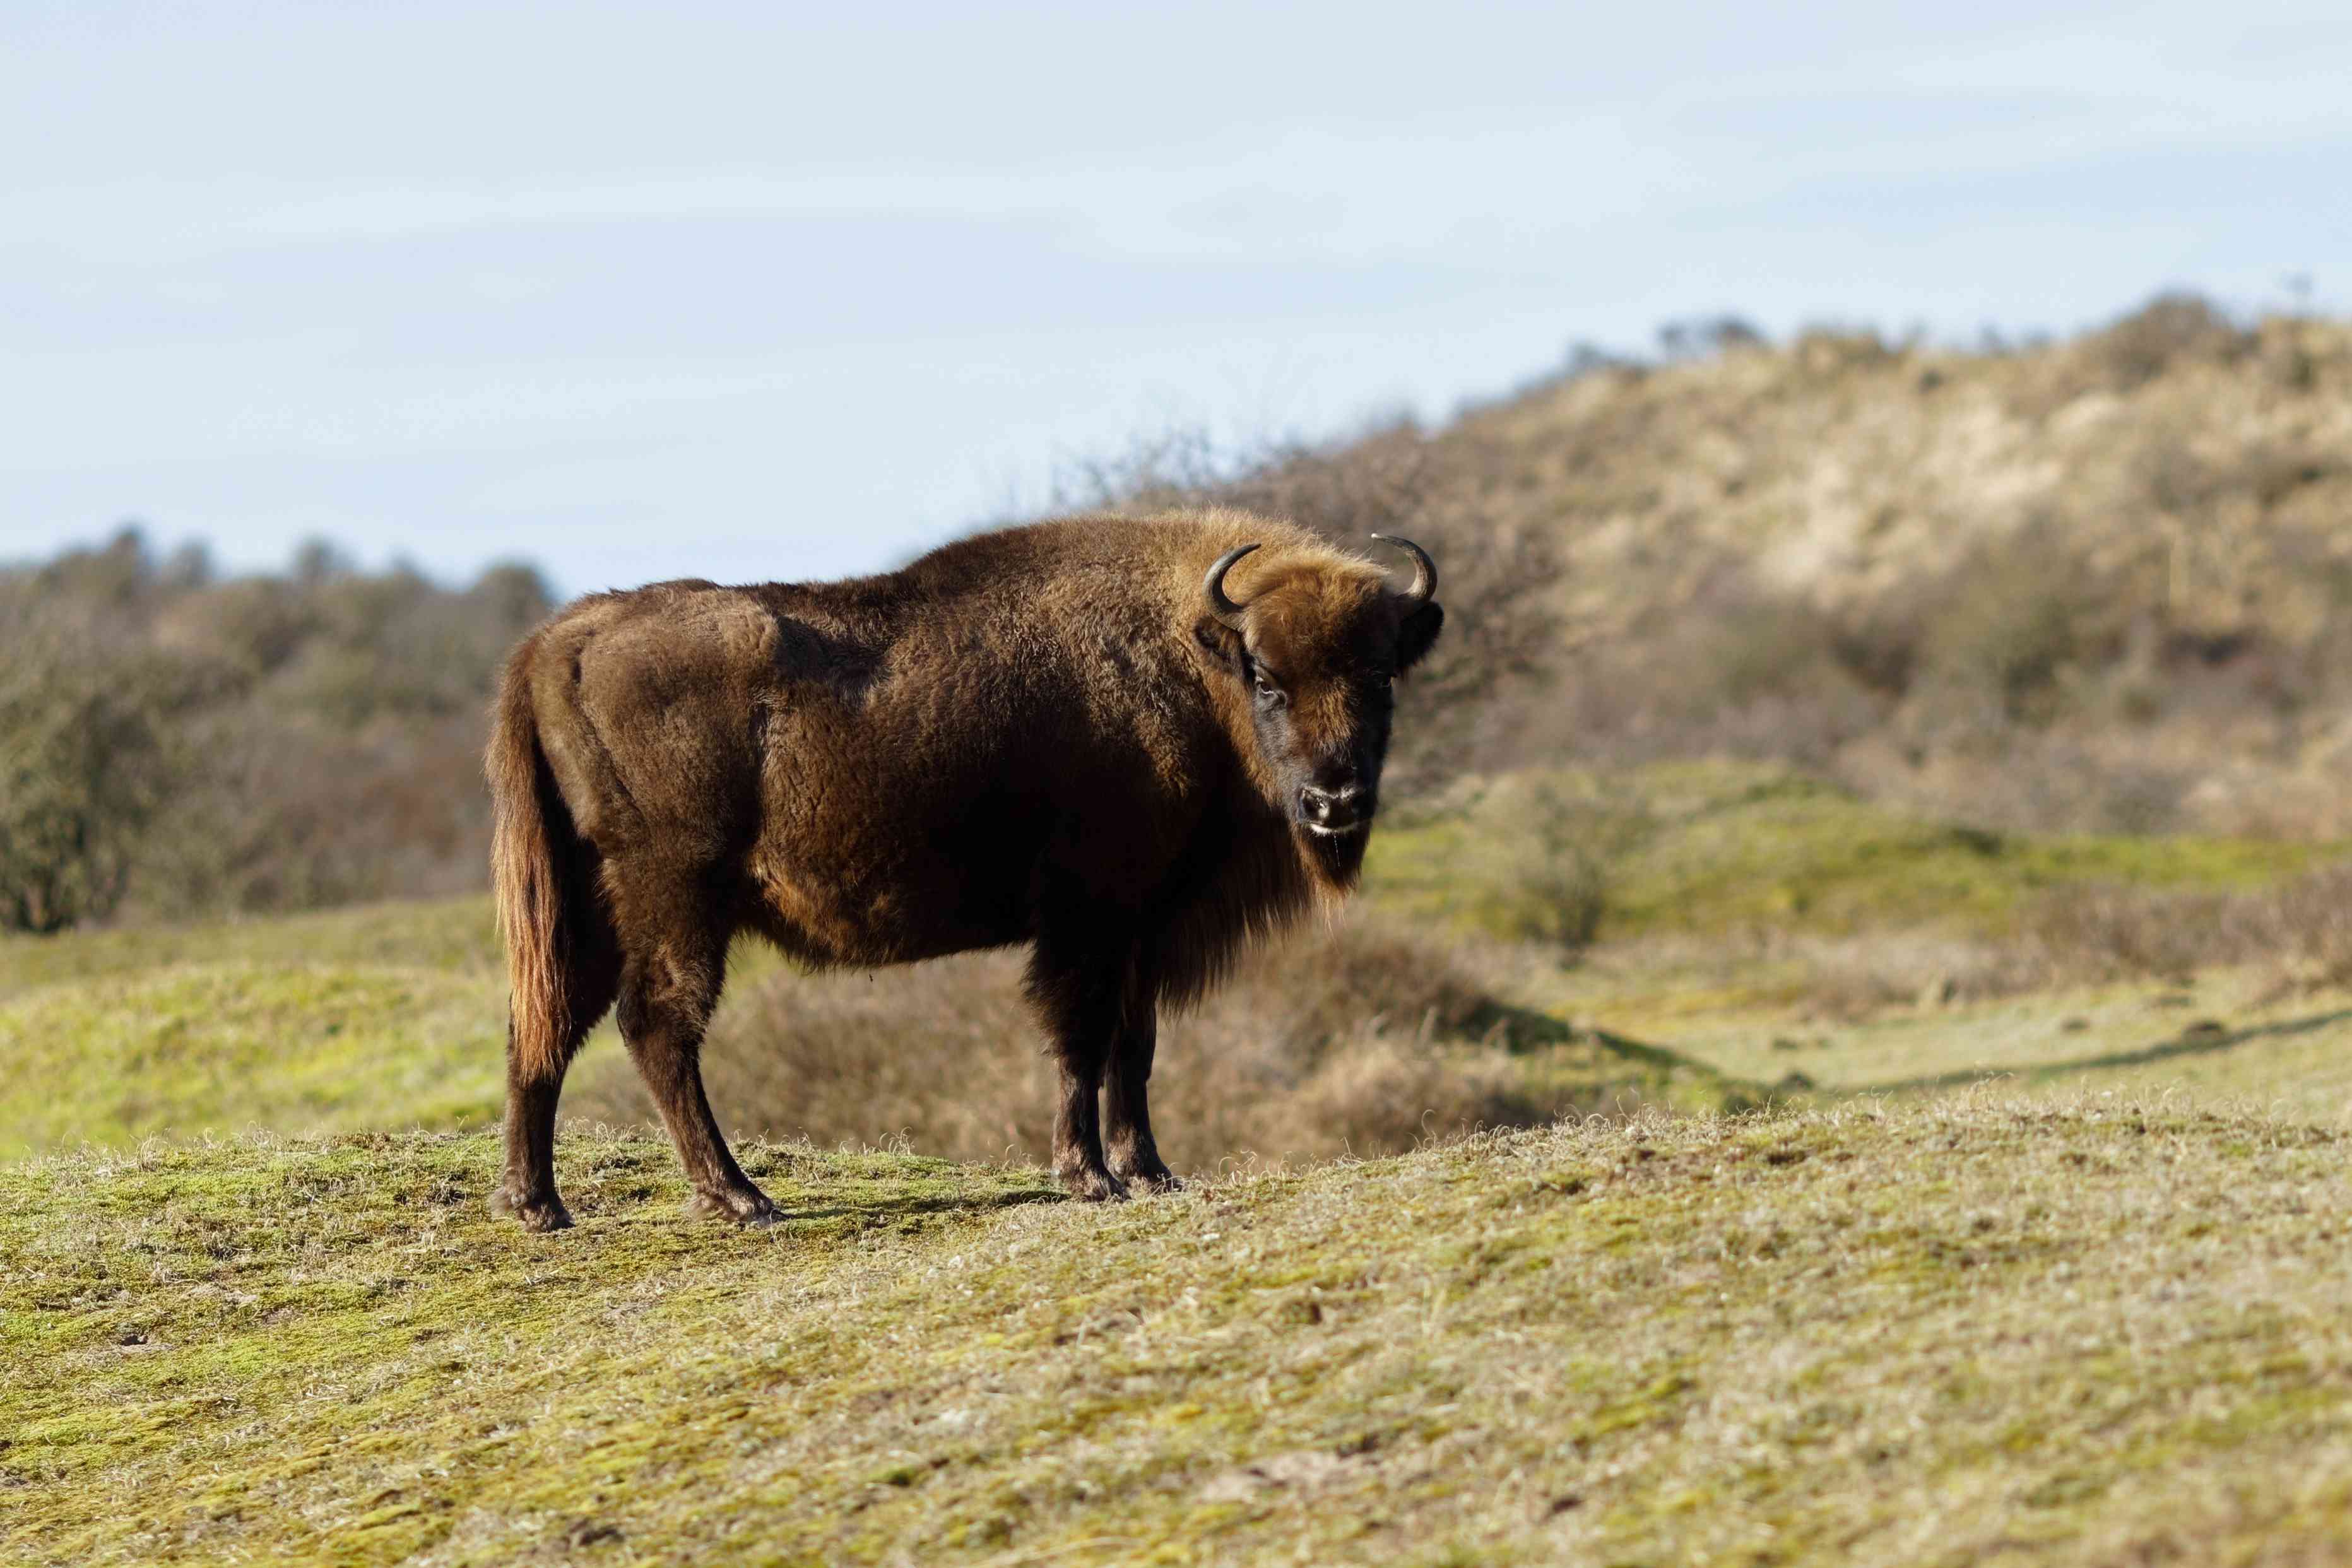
(1135, 745)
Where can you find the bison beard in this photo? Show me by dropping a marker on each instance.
(1135, 745)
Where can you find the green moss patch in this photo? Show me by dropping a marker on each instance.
(226, 1046)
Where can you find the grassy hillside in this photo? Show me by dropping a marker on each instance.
(1707, 848)
(1971, 1331)
(1446, 1003)
(387, 1016)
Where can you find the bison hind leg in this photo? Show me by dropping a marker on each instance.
(589, 973)
(670, 978)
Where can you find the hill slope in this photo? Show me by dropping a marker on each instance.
(384, 1016)
(1969, 1331)
(2092, 586)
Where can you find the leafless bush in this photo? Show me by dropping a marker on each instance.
(1734, 670)
(1849, 977)
(2168, 329)
(2300, 932)
(272, 814)
(2010, 631)
(1700, 337)
(2303, 927)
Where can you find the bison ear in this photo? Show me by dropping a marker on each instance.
(1418, 630)
(1223, 643)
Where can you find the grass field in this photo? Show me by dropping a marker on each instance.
(1964, 1330)
(391, 1016)
(1906, 1236)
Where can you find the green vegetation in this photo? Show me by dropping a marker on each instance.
(1971, 1330)
(447, 936)
(229, 1046)
(84, 766)
(175, 743)
(2227, 1037)
(1705, 847)
(384, 1017)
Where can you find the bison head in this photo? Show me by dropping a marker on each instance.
(1315, 651)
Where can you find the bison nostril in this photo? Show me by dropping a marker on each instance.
(1322, 805)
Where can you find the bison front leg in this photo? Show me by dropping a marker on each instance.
(1127, 1109)
(668, 988)
(1075, 983)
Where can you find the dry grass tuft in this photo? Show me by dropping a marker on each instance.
(1364, 1037)
(2302, 930)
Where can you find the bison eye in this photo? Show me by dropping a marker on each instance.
(1267, 691)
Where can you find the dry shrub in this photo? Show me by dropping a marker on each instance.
(2302, 927)
(1849, 977)
(86, 761)
(1362, 1038)
(322, 729)
(2300, 931)
(276, 814)
(1734, 670)
(2034, 782)
(2118, 932)
(2168, 330)
(2008, 631)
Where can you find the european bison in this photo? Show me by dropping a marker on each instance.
(1134, 744)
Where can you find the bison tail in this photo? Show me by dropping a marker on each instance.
(527, 819)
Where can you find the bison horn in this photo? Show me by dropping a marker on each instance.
(1214, 585)
(1424, 570)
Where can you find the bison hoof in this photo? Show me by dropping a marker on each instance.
(541, 1211)
(744, 1205)
(1146, 1175)
(1095, 1186)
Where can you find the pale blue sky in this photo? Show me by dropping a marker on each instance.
(773, 290)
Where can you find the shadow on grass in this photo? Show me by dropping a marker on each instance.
(1524, 1031)
(2193, 1042)
(934, 1203)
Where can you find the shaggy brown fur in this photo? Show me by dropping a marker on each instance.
(1043, 735)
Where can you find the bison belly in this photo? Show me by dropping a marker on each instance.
(861, 862)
